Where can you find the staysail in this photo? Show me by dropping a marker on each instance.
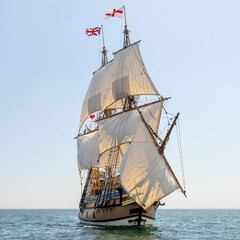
(124, 76)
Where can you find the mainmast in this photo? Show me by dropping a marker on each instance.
(104, 51)
(126, 32)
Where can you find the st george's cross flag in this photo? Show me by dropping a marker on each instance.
(114, 13)
(93, 31)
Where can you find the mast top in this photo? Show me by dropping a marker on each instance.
(126, 42)
(104, 51)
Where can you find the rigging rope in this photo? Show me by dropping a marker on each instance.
(81, 178)
(168, 121)
(180, 151)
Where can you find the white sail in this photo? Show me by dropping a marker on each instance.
(124, 76)
(121, 128)
(118, 143)
(144, 173)
(88, 152)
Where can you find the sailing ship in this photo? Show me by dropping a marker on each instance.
(119, 149)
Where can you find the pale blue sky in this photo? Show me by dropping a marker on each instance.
(192, 53)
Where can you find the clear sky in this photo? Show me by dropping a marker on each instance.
(192, 52)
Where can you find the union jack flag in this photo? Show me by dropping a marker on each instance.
(93, 31)
(114, 13)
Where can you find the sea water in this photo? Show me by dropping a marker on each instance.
(169, 224)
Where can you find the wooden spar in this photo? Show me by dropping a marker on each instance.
(114, 53)
(79, 135)
(165, 140)
(134, 108)
(161, 153)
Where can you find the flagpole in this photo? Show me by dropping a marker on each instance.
(126, 32)
(104, 51)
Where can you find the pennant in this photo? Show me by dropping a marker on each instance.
(114, 13)
(93, 31)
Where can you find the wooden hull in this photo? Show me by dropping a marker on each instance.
(117, 215)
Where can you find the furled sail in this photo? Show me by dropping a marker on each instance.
(144, 173)
(88, 152)
(120, 129)
(124, 76)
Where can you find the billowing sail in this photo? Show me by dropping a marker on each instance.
(94, 148)
(124, 76)
(88, 152)
(144, 173)
(121, 128)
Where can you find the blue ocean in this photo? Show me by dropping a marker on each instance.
(169, 224)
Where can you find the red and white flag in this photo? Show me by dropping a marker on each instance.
(93, 31)
(114, 13)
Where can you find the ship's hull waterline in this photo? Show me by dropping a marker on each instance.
(129, 215)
